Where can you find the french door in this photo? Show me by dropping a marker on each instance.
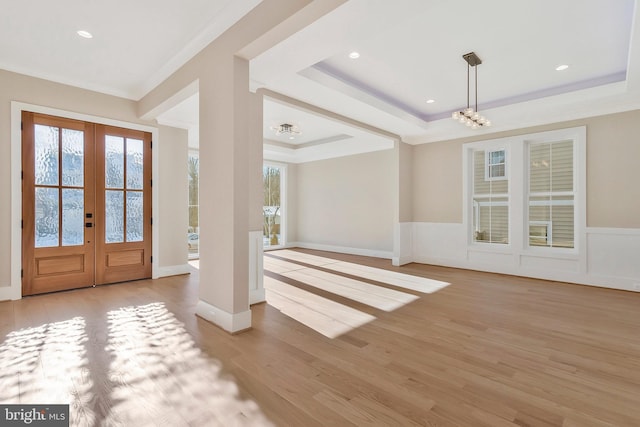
(86, 204)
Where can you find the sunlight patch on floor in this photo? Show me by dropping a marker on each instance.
(195, 263)
(157, 371)
(280, 266)
(327, 317)
(407, 281)
(47, 364)
(375, 296)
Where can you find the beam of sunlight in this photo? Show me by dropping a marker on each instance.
(158, 374)
(375, 296)
(327, 317)
(279, 266)
(48, 364)
(318, 261)
(402, 280)
(195, 263)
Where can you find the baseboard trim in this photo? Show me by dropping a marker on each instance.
(343, 250)
(233, 323)
(174, 270)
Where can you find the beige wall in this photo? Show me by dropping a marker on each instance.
(613, 193)
(173, 215)
(348, 201)
(17, 87)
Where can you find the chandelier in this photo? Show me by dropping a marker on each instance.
(286, 129)
(469, 116)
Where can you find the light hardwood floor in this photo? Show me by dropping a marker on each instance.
(446, 347)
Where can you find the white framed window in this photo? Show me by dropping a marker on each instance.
(551, 192)
(490, 199)
(495, 165)
(274, 205)
(526, 194)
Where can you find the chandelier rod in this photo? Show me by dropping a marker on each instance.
(468, 67)
(476, 72)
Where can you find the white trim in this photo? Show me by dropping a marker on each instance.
(230, 322)
(256, 268)
(174, 270)
(343, 249)
(16, 182)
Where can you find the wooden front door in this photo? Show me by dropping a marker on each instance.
(86, 204)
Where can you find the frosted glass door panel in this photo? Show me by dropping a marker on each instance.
(72, 217)
(47, 217)
(114, 161)
(124, 209)
(72, 158)
(46, 154)
(114, 216)
(134, 164)
(135, 217)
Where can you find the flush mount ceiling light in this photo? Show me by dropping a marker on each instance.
(430, 101)
(469, 116)
(562, 67)
(286, 129)
(354, 55)
(85, 34)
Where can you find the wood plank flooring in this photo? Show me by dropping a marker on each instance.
(417, 345)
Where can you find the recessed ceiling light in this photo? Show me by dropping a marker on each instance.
(354, 55)
(430, 101)
(562, 67)
(85, 34)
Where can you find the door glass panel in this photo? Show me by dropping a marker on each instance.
(72, 159)
(134, 216)
(134, 164)
(47, 217)
(72, 217)
(114, 216)
(46, 153)
(114, 161)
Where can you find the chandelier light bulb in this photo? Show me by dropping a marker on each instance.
(455, 115)
(487, 123)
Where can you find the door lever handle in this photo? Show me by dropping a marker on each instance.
(88, 224)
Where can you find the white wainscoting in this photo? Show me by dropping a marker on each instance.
(610, 258)
(613, 254)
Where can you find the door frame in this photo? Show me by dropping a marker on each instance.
(14, 291)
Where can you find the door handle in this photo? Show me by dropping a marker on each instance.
(88, 224)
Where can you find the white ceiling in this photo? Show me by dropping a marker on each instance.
(136, 44)
(411, 51)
